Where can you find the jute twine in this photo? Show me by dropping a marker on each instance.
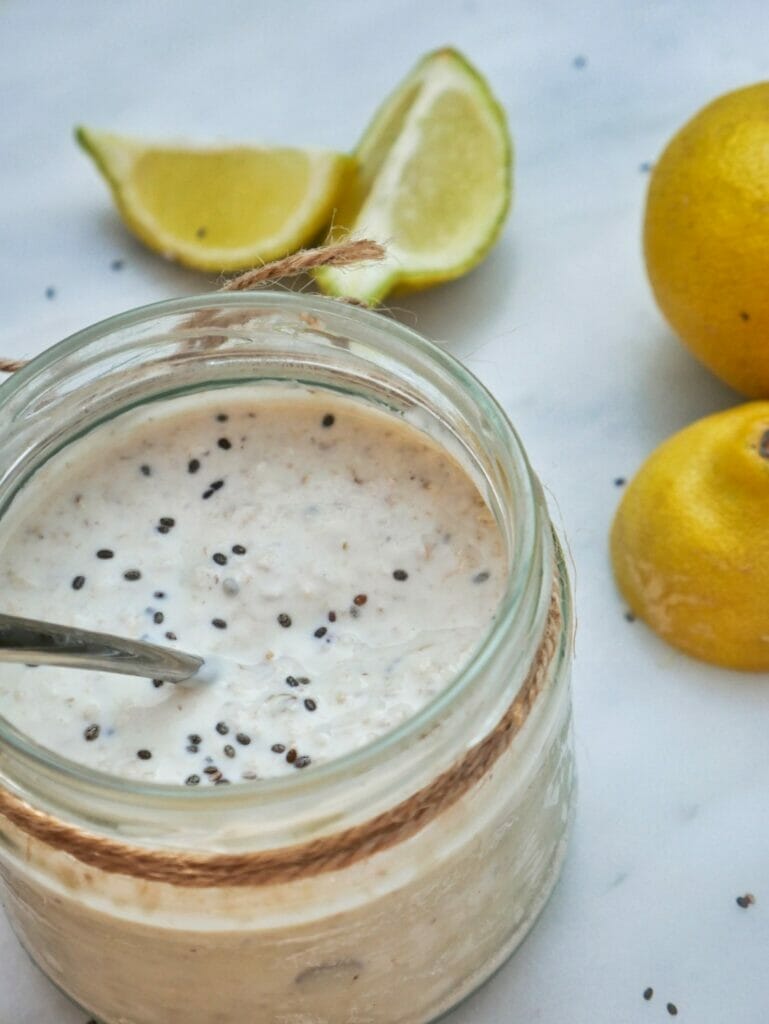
(341, 254)
(327, 853)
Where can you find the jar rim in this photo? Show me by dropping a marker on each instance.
(523, 562)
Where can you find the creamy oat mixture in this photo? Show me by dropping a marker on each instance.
(341, 563)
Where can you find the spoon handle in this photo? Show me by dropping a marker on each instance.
(44, 643)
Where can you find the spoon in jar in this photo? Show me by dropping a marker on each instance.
(31, 642)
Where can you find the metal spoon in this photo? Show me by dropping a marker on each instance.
(45, 643)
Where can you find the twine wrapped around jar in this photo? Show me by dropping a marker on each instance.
(327, 853)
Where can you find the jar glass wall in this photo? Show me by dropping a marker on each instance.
(423, 857)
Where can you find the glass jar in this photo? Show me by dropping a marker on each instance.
(383, 886)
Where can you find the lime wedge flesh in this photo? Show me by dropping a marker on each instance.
(433, 183)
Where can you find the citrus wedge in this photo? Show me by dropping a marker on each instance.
(219, 209)
(433, 182)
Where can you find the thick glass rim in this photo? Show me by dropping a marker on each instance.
(265, 791)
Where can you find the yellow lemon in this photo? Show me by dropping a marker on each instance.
(222, 208)
(706, 237)
(690, 543)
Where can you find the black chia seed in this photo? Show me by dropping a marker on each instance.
(278, 748)
(171, 636)
(648, 993)
(105, 553)
(218, 623)
(222, 417)
(481, 577)
(619, 481)
(745, 901)
(320, 631)
(132, 574)
(157, 683)
(160, 594)
(194, 738)
(78, 583)
(291, 756)
(332, 616)
(328, 420)
(193, 465)
(284, 620)
(163, 529)
(221, 781)
(672, 1009)
(238, 549)
(211, 769)
(303, 761)
(192, 780)
(310, 704)
(158, 618)
(213, 488)
(219, 558)
(400, 575)
(224, 443)
(146, 470)
(229, 751)
(222, 728)
(243, 738)
(192, 748)
(92, 733)
(143, 755)
(167, 521)
(292, 681)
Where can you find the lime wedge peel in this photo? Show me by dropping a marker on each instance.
(434, 182)
(219, 208)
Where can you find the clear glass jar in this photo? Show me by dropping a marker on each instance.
(382, 887)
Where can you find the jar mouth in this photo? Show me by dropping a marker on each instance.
(524, 563)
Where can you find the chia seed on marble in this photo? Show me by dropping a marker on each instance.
(359, 600)
(143, 755)
(224, 443)
(158, 618)
(132, 575)
(284, 620)
(400, 575)
(303, 761)
(320, 632)
(328, 420)
(222, 728)
(291, 756)
(238, 549)
(146, 470)
(192, 780)
(193, 465)
(105, 553)
(219, 558)
(310, 704)
(157, 683)
(481, 577)
(78, 583)
(229, 751)
(92, 733)
(243, 738)
(218, 623)
(278, 748)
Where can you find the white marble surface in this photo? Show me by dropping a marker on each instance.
(673, 820)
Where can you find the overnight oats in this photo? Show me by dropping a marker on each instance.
(361, 814)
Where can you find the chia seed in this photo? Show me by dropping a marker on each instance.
(78, 583)
(481, 577)
(158, 618)
(238, 549)
(132, 574)
(194, 738)
(92, 733)
(243, 738)
(193, 465)
(105, 553)
(218, 623)
(672, 1009)
(222, 417)
(192, 780)
(303, 761)
(171, 636)
(157, 683)
(222, 728)
(360, 600)
(746, 901)
(332, 616)
(321, 632)
(168, 521)
(400, 575)
(328, 420)
(163, 529)
(159, 594)
(219, 558)
(146, 470)
(224, 444)
(143, 755)
(284, 620)
(211, 769)
(648, 993)
(229, 751)
(291, 756)
(192, 748)
(292, 681)
(310, 704)
(278, 748)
